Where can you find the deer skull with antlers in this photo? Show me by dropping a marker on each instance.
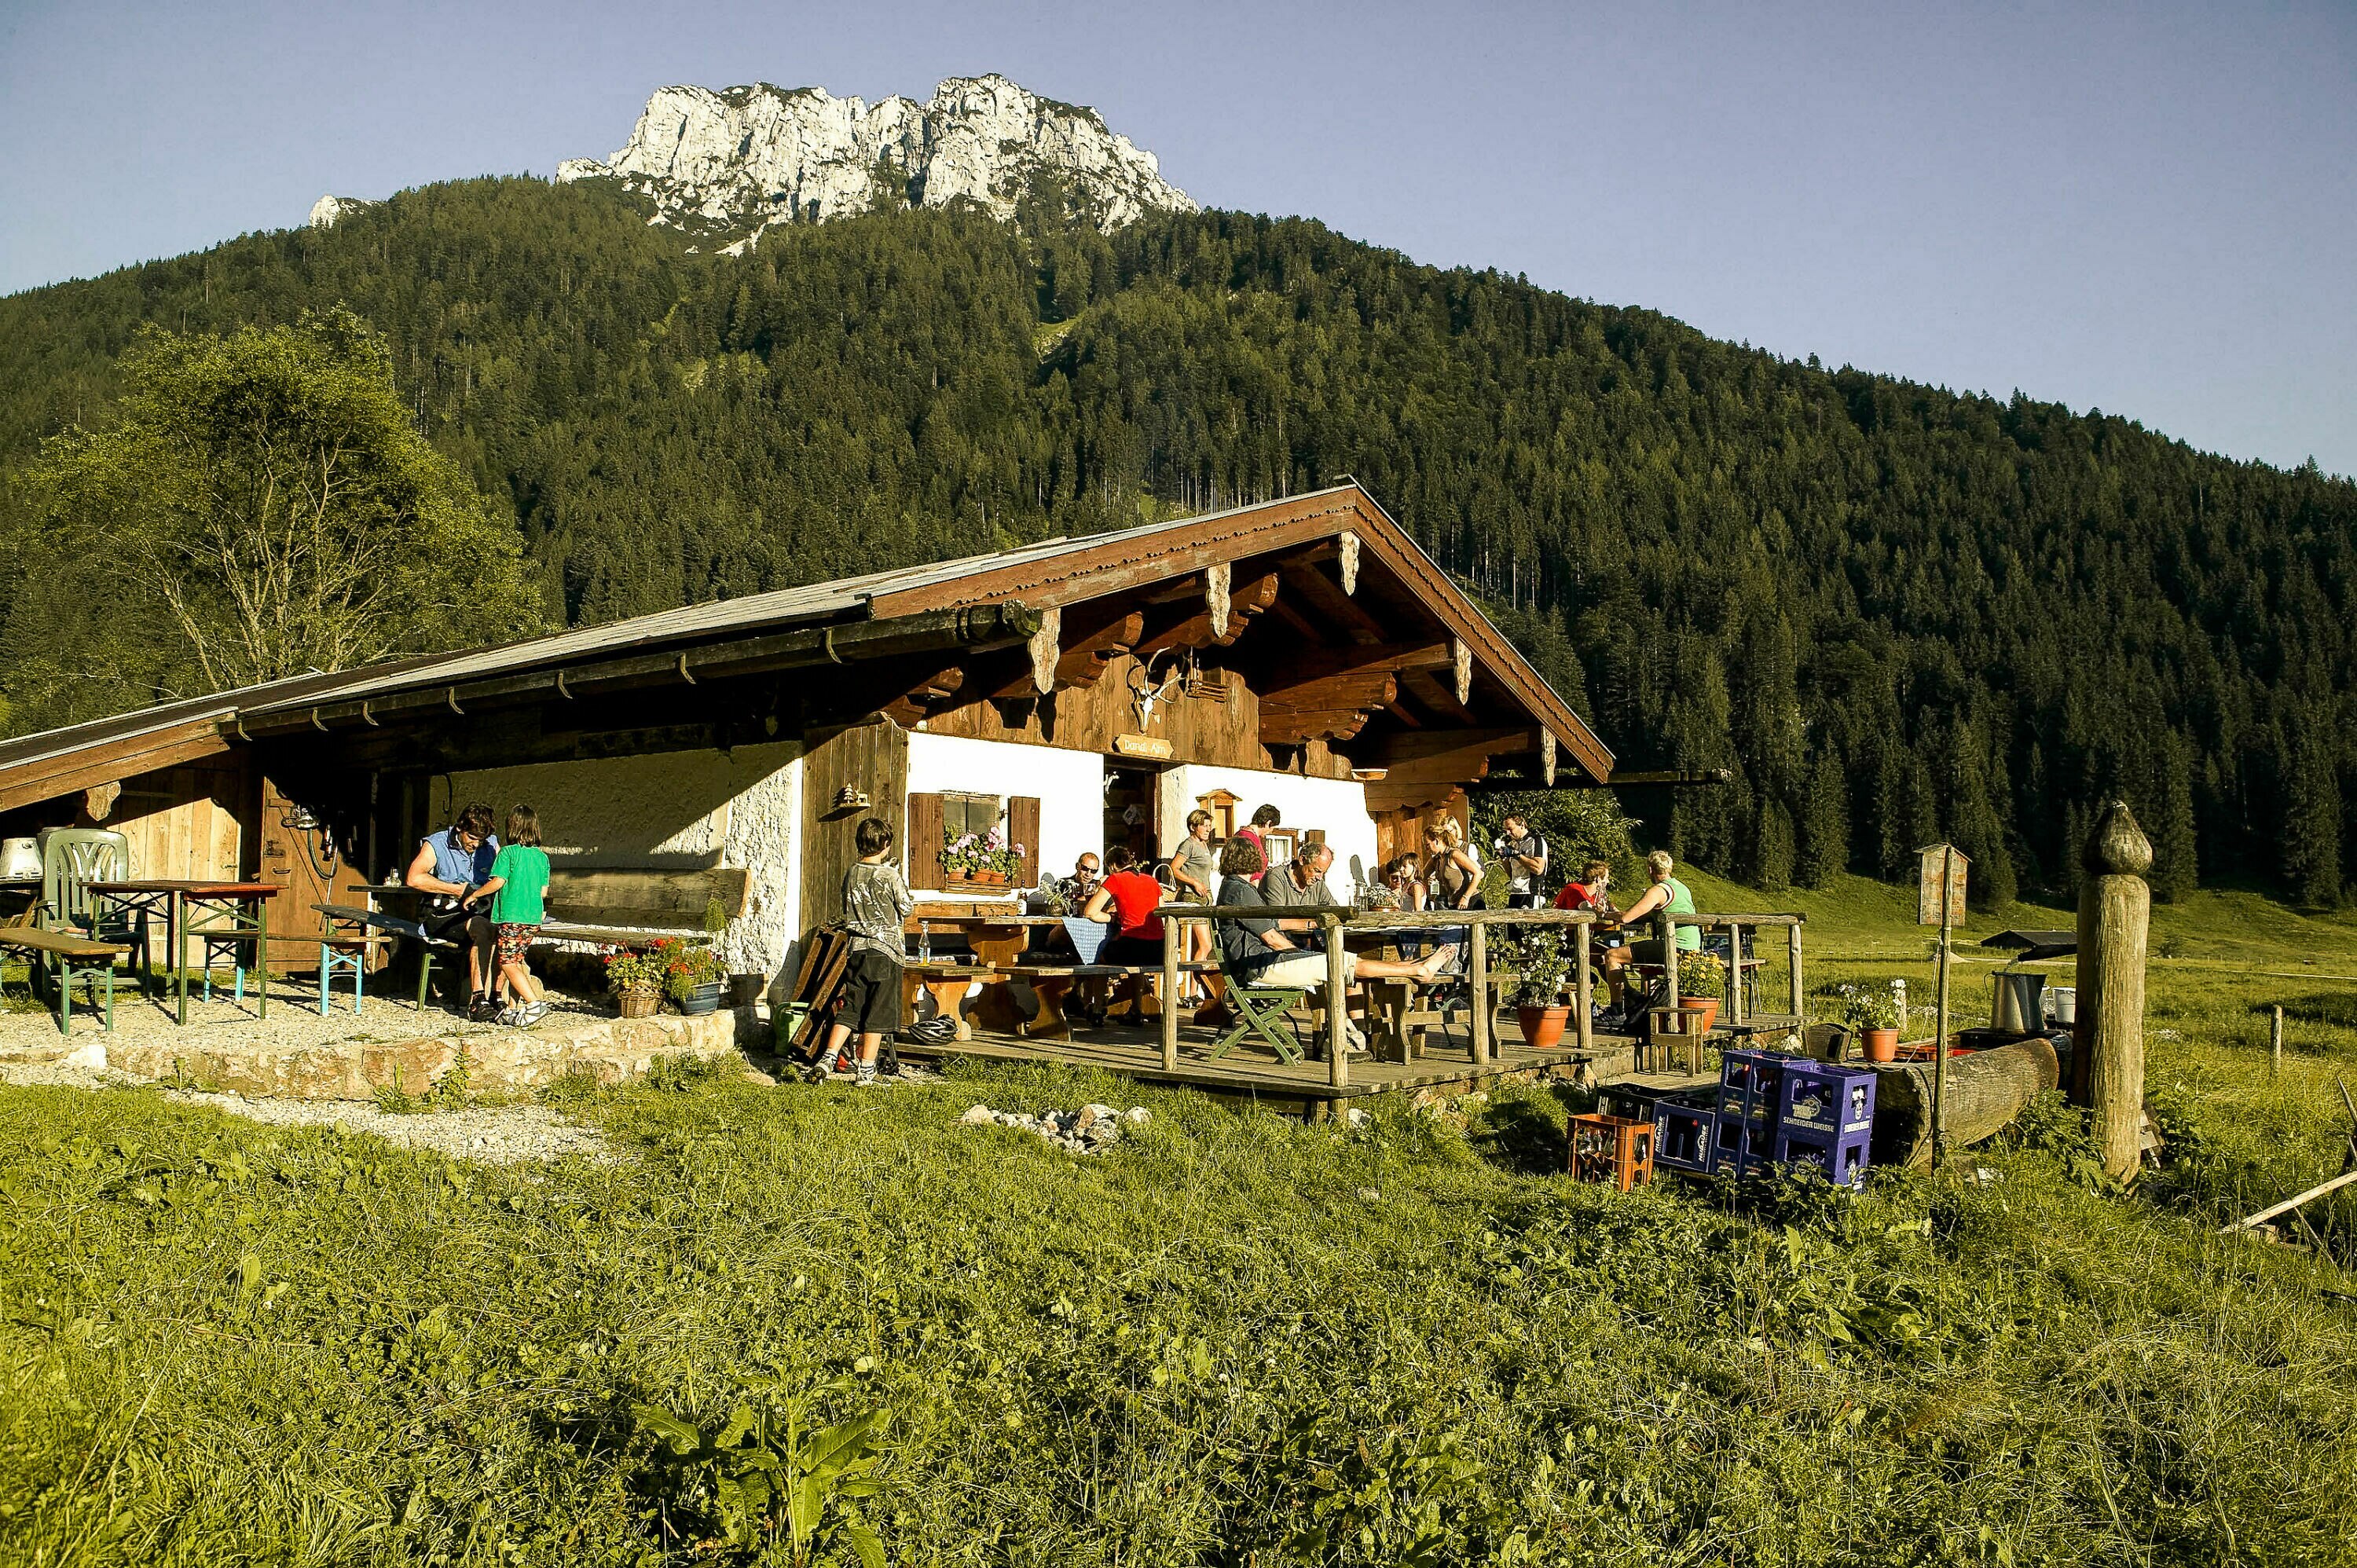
(1145, 695)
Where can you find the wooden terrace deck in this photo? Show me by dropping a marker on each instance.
(1253, 1072)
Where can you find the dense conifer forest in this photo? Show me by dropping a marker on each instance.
(1899, 614)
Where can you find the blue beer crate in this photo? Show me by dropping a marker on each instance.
(1682, 1136)
(1841, 1157)
(1820, 1099)
(1750, 1085)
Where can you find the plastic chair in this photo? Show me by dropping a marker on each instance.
(73, 858)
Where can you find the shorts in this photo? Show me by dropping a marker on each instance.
(515, 942)
(1305, 972)
(869, 1003)
(1647, 949)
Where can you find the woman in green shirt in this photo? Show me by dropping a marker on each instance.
(518, 889)
(1666, 893)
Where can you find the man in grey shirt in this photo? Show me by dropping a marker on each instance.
(1303, 879)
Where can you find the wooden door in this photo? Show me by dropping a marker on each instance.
(304, 858)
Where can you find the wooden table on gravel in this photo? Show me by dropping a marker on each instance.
(221, 912)
(74, 955)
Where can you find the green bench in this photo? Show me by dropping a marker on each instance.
(70, 958)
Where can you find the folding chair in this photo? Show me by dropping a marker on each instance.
(1261, 1012)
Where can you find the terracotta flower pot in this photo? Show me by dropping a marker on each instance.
(1543, 1027)
(1709, 1018)
(1881, 1045)
(637, 1001)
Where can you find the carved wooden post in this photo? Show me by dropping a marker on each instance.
(2108, 1042)
(1582, 988)
(1169, 994)
(1478, 983)
(1338, 1006)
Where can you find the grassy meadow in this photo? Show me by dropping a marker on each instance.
(811, 1325)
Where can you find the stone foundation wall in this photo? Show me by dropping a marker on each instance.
(615, 1050)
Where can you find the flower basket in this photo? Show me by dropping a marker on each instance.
(637, 1001)
(980, 860)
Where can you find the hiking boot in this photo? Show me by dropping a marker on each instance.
(481, 1009)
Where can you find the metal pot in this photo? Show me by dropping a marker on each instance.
(20, 860)
(2018, 1009)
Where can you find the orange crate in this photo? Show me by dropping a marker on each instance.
(1610, 1148)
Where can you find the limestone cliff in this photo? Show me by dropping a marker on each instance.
(734, 162)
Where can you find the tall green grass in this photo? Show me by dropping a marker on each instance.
(1232, 1339)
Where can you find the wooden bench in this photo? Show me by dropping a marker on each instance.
(1051, 983)
(76, 958)
(372, 921)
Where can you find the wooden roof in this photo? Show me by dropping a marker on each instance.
(1350, 632)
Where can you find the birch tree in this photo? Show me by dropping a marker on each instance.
(258, 505)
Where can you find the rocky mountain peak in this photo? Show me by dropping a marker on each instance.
(746, 159)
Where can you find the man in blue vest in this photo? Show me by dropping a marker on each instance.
(449, 865)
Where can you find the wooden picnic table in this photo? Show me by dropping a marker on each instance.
(222, 915)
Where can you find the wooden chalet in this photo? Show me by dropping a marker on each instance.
(1303, 653)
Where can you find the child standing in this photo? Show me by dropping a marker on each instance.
(877, 905)
(518, 889)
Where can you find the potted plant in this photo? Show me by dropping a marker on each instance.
(637, 980)
(691, 975)
(1702, 981)
(1874, 1012)
(1539, 973)
(980, 860)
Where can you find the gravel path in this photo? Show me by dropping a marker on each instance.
(499, 1134)
(295, 1023)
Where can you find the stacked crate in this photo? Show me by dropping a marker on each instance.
(1770, 1109)
(1686, 1126)
(1614, 1149)
(1825, 1118)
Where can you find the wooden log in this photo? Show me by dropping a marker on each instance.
(2115, 920)
(1478, 981)
(2274, 1043)
(1338, 1006)
(1985, 1089)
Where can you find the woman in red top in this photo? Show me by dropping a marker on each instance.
(1126, 900)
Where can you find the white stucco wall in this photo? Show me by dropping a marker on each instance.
(672, 810)
(1337, 805)
(1070, 785)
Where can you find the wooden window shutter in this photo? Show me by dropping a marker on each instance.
(1023, 828)
(923, 841)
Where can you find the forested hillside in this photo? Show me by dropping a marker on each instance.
(1899, 613)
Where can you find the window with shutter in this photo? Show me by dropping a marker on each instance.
(1023, 828)
(923, 843)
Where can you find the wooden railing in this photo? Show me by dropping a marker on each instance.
(1334, 919)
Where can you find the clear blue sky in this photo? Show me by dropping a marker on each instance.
(2151, 208)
